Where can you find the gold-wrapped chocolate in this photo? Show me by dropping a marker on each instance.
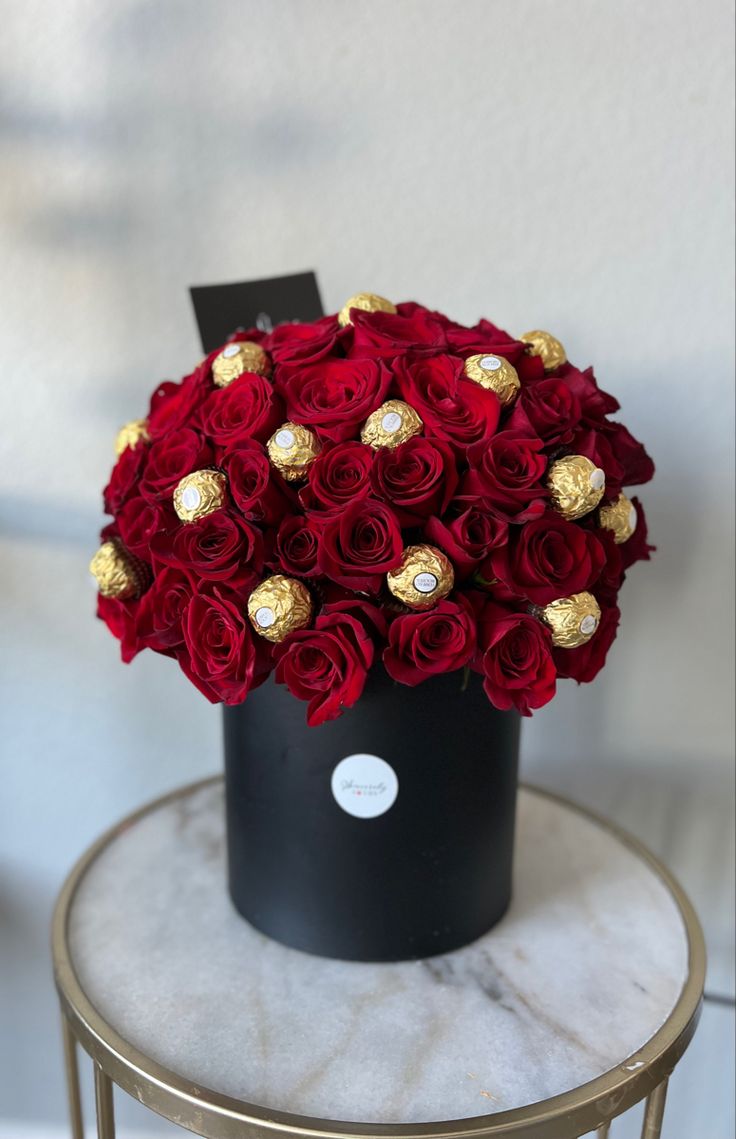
(278, 606)
(238, 357)
(393, 423)
(423, 578)
(292, 450)
(118, 573)
(495, 373)
(547, 346)
(619, 517)
(576, 485)
(573, 620)
(131, 435)
(198, 494)
(366, 302)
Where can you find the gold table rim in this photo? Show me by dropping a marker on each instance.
(218, 1116)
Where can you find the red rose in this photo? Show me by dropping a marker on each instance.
(637, 548)
(333, 397)
(252, 483)
(595, 404)
(452, 407)
(421, 645)
(123, 478)
(417, 478)
(635, 463)
(119, 616)
(359, 546)
(328, 665)
(221, 655)
(138, 522)
(174, 405)
(169, 459)
(486, 337)
(469, 538)
(549, 558)
(248, 408)
(296, 547)
(161, 610)
(585, 662)
(339, 474)
(384, 334)
(550, 407)
(303, 343)
(217, 547)
(506, 475)
(516, 660)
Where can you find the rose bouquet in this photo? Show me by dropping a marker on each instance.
(382, 488)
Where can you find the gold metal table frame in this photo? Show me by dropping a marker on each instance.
(590, 1107)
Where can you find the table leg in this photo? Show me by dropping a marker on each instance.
(72, 1079)
(654, 1112)
(104, 1105)
(604, 1130)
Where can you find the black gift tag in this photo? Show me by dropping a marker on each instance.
(221, 309)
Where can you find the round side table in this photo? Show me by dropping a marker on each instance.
(576, 1006)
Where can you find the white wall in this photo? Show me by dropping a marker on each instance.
(564, 165)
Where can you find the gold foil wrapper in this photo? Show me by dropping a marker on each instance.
(393, 423)
(292, 450)
(495, 373)
(199, 494)
(131, 435)
(547, 346)
(424, 577)
(619, 517)
(366, 302)
(278, 606)
(576, 486)
(118, 573)
(573, 620)
(238, 357)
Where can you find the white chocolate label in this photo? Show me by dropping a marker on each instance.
(364, 785)
(633, 518)
(190, 498)
(285, 439)
(425, 582)
(391, 422)
(265, 617)
(231, 350)
(490, 363)
(588, 624)
(598, 479)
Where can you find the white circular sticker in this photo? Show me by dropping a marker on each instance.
(231, 350)
(364, 785)
(285, 439)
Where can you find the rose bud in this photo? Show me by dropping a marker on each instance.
(131, 435)
(118, 573)
(292, 450)
(199, 494)
(278, 606)
(393, 423)
(366, 302)
(573, 620)
(423, 577)
(576, 486)
(619, 517)
(236, 358)
(547, 347)
(494, 373)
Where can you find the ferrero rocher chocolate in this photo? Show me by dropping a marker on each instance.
(495, 373)
(236, 358)
(393, 423)
(573, 620)
(278, 606)
(292, 449)
(576, 485)
(131, 435)
(366, 302)
(547, 346)
(619, 517)
(423, 578)
(199, 494)
(119, 573)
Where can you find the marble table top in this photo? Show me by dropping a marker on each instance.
(585, 967)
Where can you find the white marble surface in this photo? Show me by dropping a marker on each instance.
(579, 974)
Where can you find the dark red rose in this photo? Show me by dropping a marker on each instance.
(327, 665)
(487, 337)
(303, 343)
(296, 546)
(333, 397)
(174, 405)
(550, 407)
(253, 485)
(119, 616)
(611, 578)
(385, 334)
(595, 404)
(516, 660)
(161, 610)
(506, 474)
(248, 408)
(635, 463)
(339, 474)
(421, 645)
(452, 408)
(360, 545)
(468, 538)
(418, 478)
(169, 459)
(138, 522)
(221, 655)
(549, 558)
(637, 548)
(585, 662)
(123, 479)
(217, 547)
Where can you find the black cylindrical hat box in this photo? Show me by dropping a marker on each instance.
(386, 834)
